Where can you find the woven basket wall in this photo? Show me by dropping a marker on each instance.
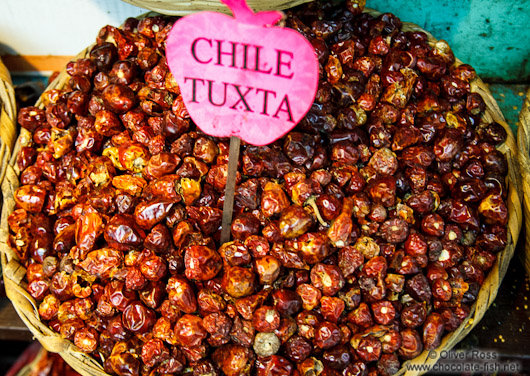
(87, 366)
(8, 114)
(8, 128)
(523, 143)
(182, 8)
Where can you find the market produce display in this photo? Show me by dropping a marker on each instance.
(359, 239)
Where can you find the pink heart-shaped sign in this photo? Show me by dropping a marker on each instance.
(241, 76)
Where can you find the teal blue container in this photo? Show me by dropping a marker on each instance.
(491, 35)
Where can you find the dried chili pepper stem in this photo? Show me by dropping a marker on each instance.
(311, 201)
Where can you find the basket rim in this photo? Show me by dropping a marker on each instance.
(184, 8)
(523, 144)
(8, 114)
(487, 293)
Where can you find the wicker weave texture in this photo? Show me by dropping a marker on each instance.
(8, 132)
(182, 8)
(88, 366)
(523, 143)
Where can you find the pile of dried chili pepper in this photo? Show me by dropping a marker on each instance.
(359, 239)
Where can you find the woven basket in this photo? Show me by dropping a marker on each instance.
(523, 143)
(8, 131)
(87, 366)
(8, 113)
(183, 8)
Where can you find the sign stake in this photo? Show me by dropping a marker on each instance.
(230, 189)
